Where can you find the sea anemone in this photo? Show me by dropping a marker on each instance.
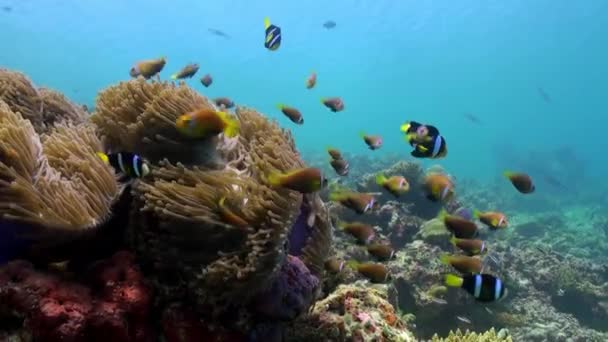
(52, 189)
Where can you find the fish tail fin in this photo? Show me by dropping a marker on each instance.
(362, 134)
(274, 178)
(232, 125)
(405, 127)
(476, 213)
(453, 280)
(354, 264)
(104, 157)
(340, 224)
(453, 240)
(445, 259)
(266, 22)
(174, 76)
(380, 179)
(280, 106)
(507, 173)
(322, 100)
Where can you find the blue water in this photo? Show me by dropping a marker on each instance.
(391, 61)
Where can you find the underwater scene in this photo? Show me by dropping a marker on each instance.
(303, 171)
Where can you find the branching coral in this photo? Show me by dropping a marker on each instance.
(488, 336)
(58, 185)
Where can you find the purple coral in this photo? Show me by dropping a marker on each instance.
(290, 294)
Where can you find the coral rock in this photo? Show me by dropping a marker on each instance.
(106, 308)
(351, 313)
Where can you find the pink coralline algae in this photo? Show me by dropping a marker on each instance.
(291, 293)
(111, 305)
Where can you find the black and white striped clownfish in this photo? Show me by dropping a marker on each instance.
(128, 164)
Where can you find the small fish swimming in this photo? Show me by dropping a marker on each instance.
(148, 68)
(303, 180)
(206, 80)
(463, 319)
(334, 153)
(203, 123)
(472, 118)
(341, 166)
(363, 232)
(273, 35)
(335, 104)
(382, 252)
(521, 181)
(462, 263)
(374, 142)
(334, 265)
(218, 33)
(438, 187)
(187, 72)
(311, 80)
(330, 24)
(223, 102)
(293, 114)
(375, 272)
(543, 94)
(461, 228)
(483, 287)
(494, 220)
(396, 185)
(128, 164)
(470, 246)
(356, 201)
(426, 140)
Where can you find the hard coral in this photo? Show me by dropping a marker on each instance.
(53, 189)
(488, 336)
(351, 313)
(112, 305)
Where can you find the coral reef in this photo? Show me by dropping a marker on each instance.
(351, 313)
(207, 277)
(54, 309)
(488, 336)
